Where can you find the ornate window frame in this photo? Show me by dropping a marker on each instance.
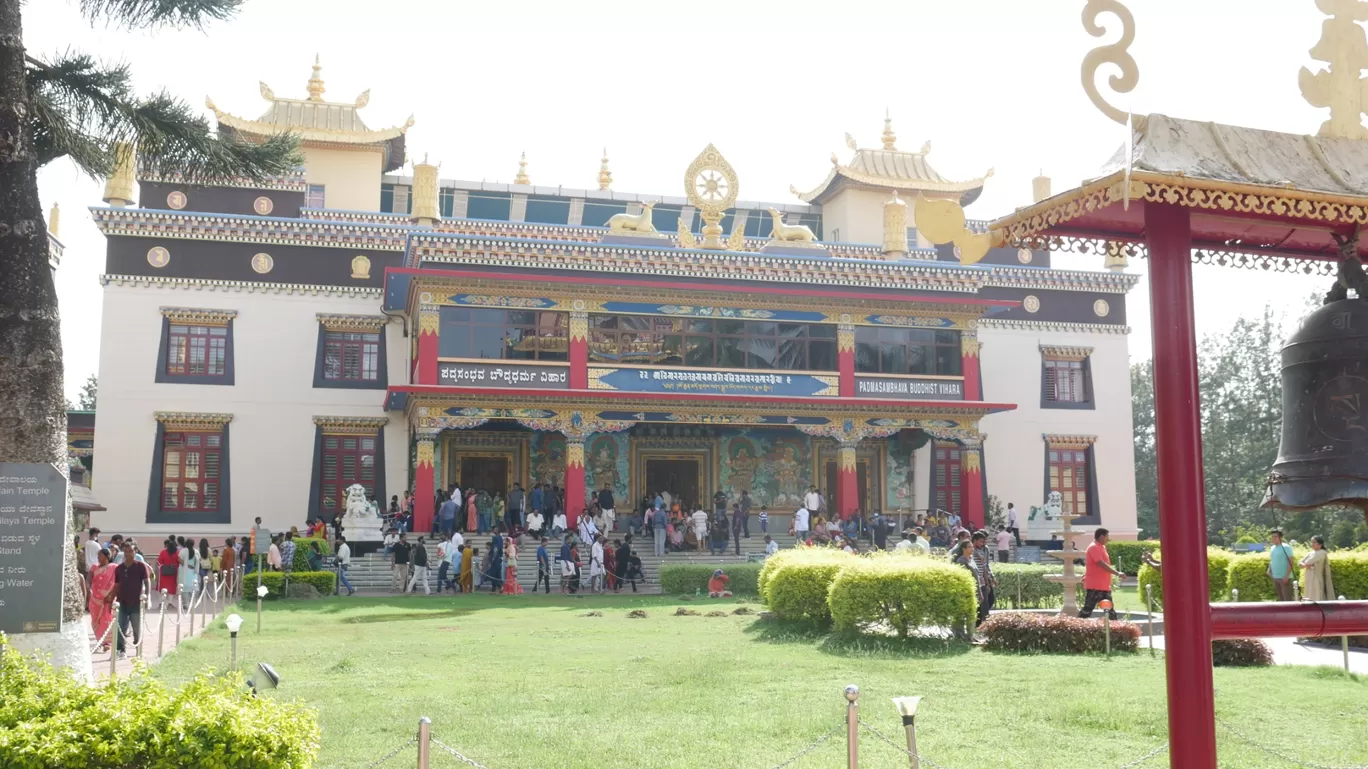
(363, 324)
(357, 427)
(176, 421)
(191, 316)
(1054, 442)
(1057, 353)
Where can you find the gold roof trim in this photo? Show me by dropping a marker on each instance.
(1062, 352)
(198, 317)
(312, 119)
(185, 420)
(889, 169)
(361, 323)
(1070, 441)
(350, 425)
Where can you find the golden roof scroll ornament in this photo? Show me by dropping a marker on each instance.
(1344, 47)
(1113, 53)
(712, 185)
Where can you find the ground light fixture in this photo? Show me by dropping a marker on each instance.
(265, 679)
(907, 708)
(261, 593)
(234, 623)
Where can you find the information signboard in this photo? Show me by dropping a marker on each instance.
(33, 501)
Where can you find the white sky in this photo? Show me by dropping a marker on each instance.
(775, 85)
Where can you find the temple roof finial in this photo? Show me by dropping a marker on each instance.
(316, 82)
(605, 177)
(522, 178)
(890, 139)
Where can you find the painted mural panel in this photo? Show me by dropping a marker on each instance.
(898, 491)
(546, 458)
(607, 462)
(775, 465)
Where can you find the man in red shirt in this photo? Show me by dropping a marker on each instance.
(1097, 575)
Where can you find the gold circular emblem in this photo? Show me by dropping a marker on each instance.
(263, 263)
(158, 256)
(361, 266)
(263, 205)
(176, 199)
(1101, 308)
(579, 305)
(1031, 303)
(425, 297)
(1024, 256)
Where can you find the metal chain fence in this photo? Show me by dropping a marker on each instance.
(1278, 754)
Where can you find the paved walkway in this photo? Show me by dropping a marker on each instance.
(1287, 651)
(158, 633)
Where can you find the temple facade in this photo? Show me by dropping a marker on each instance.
(268, 343)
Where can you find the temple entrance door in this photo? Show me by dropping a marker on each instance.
(680, 477)
(488, 473)
(862, 482)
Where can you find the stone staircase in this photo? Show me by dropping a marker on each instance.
(371, 572)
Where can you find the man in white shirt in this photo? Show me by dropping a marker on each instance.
(588, 530)
(391, 539)
(812, 500)
(771, 547)
(919, 540)
(343, 563)
(1012, 523)
(906, 543)
(1004, 546)
(700, 525)
(800, 522)
(559, 523)
(91, 547)
(457, 539)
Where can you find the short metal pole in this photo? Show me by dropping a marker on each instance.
(180, 617)
(114, 647)
(1344, 646)
(424, 741)
(907, 708)
(258, 614)
(161, 625)
(852, 695)
(1149, 599)
(1296, 591)
(204, 618)
(232, 653)
(1106, 626)
(1235, 595)
(144, 604)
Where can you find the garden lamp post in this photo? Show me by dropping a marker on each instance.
(907, 708)
(1106, 606)
(261, 593)
(234, 623)
(852, 695)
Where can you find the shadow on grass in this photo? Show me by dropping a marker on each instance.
(821, 637)
(381, 608)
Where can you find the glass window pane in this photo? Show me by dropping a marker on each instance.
(822, 356)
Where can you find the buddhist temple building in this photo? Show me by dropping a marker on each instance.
(266, 344)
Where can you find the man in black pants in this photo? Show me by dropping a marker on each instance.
(986, 580)
(623, 562)
(543, 567)
(130, 577)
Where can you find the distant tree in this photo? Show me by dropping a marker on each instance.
(87, 397)
(70, 105)
(1146, 468)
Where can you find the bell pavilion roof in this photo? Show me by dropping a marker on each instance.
(318, 122)
(890, 169)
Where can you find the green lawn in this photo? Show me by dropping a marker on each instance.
(531, 682)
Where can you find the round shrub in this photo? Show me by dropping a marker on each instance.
(1055, 634)
(901, 593)
(1218, 577)
(49, 721)
(1241, 653)
(772, 565)
(797, 589)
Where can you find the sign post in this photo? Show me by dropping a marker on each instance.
(33, 499)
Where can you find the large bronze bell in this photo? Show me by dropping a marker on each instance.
(1324, 455)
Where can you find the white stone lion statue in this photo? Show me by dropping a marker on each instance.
(357, 506)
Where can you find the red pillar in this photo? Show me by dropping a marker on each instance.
(969, 365)
(428, 323)
(424, 486)
(1182, 491)
(574, 479)
(845, 359)
(579, 356)
(971, 481)
(847, 482)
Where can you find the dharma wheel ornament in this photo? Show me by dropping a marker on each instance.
(1323, 460)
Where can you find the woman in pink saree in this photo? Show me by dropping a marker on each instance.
(101, 603)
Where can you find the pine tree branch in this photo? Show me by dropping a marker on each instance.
(81, 109)
(143, 14)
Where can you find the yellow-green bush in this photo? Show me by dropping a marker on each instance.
(1023, 585)
(1218, 577)
(902, 593)
(1349, 569)
(797, 588)
(771, 565)
(1249, 574)
(1125, 554)
(50, 721)
(323, 581)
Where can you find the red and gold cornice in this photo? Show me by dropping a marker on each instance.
(364, 324)
(189, 225)
(1070, 441)
(350, 425)
(1065, 352)
(194, 316)
(429, 320)
(192, 421)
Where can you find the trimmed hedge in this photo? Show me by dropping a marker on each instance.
(323, 581)
(901, 593)
(797, 588)
(1249, 574)
(772, 564)
(1218, 577)
(1053, 634)
(302, 548)
(50, 721)
(1125, 555)
(1241, 653)
(1349, 570)
(1027, 580)
(685, 578)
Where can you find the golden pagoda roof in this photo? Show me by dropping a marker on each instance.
(312, 119)
(888, 169)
